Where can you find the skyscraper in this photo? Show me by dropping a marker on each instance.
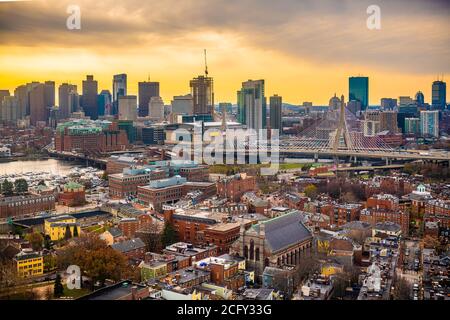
(104, 103)
(412, 126)
(156, 108)
(127, 108)
(202, 91)
(388, 103)
(429, 123)
(89, 98)
(119, 89)
(21, 92)
(65, 105)
(146, 90)
(276, 104)
(439, 95)
(252, 104)
(38, 110)
(420, 98)
(388, 121)
(359, 90)
(49, 94)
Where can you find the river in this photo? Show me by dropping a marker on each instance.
(53, 166)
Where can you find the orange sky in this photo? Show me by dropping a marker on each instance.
(305, 51)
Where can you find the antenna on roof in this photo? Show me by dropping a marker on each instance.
(206, 65)
(149, 77)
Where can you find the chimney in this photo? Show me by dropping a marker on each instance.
(134, 293)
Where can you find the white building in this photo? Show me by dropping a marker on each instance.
(183, 104)
(429, 123)
(128, 108)
(156, 108)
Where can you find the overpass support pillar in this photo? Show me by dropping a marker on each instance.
(316, 157)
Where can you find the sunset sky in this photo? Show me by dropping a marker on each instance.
(304, 49)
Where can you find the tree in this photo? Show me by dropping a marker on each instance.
(169, 235)
(21, 186)
(75, 232)
(402, 289)
(7, 188)
(42, 183)
(58, 290)
(68, 233)
(95, 258)
(311, 191)
(36, 240)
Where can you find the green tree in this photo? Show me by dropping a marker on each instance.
(7, 188)
(58, 289)
(42, 183)
(36, 240)
(68, 233)
(21, 186)
(75, 232)
(169, 235)
(311, 191)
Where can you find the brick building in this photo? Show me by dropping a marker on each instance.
(91, 137)
(129, 226)
(438, 211)
(234, 187)
(132, 249)
(72, 195)
(25, 205)
(125, 184)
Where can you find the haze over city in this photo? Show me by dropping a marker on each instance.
(305, 50)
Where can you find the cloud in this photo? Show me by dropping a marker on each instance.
(414, 37)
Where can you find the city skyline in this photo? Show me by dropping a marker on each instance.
(36, 46)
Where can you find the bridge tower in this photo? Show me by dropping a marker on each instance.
(342, 135)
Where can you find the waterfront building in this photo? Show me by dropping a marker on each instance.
(92, 137)
(25, 205)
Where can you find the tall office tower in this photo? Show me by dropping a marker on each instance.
(104, 103)
(388, 121)
(183, 105)
(8, 109)
(156, 106)
(371, 123)
(119, 89)
(439, 95)
(89, 98)
(388, 103)
(405, 101)
(49, 93)
(420, 98)
(412, 125)
(202, 91)
(359, 90)
(4, 93)
(429, 123)
(21, 92)
(354, 106)
(276, 106)
(334, 103)
(38, 109)
(252, 104)
(128, 108)
(146, 90)
(64, 95)
(74, 101)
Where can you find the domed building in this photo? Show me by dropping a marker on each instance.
(420, 98)
(334, 103)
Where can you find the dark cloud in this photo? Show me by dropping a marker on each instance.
(414, 35)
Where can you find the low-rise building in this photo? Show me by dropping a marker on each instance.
(29, 264)
(61, 227)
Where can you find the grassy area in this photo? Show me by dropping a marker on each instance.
(75, 293)
(290, 166)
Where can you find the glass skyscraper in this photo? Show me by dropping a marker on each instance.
(252, 105)
(359, 90)
(439, 95)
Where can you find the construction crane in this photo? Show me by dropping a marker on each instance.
(206, 66)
